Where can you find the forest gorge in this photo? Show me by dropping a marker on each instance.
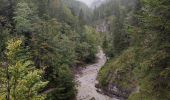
(42, 43)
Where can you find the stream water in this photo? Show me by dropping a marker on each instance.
(87, 79)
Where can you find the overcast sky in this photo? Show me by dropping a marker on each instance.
(88, 2)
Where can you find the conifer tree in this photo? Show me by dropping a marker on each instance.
(20, 79)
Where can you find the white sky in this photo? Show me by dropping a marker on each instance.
(88, 2)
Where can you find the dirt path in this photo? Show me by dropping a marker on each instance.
(86, 81)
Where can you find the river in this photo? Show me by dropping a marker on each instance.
(87, 79)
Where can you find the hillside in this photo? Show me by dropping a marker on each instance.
(137, 62)
(67, 50)
(77, 7)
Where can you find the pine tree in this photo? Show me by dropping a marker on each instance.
(152, 51)
(22, 17)
(21, 80)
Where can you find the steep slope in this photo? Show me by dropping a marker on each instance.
(116, 77)
(141, 69)
(77, 7)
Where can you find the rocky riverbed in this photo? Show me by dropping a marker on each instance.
(86, 81)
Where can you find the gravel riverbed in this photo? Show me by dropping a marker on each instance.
(87, 79)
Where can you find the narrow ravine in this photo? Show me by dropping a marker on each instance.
(87, 79)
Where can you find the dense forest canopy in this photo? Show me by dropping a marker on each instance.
(137, 42)
(42, 43)
(43, 40)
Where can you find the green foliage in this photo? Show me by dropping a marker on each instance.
(103, 74)
(22, 18)
(119, 72)
(138, 96)
(115, 16)
(56, 39)
(4, 33)
(147, 65)
(53, 46)
(56, 44)
(79, 8)
(25, 81)
(89, 42)
(65, 85)
(152, 51)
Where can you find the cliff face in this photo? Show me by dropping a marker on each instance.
(117, 78)
(103, 25)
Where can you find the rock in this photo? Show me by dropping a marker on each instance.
(113, 89)
(97, 85)
(99, 91)
(87, 89)
(93, 98)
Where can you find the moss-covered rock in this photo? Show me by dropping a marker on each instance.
(117, 77)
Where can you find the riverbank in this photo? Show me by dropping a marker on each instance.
(86, 81)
